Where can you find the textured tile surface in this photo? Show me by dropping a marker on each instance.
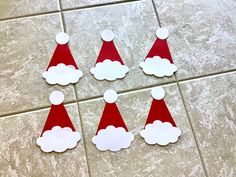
(26, 48)
(20, 156)
(142, 159)
(14, 8)
(134, 38)
(211, 104)
(81, 3)
(203, 35)
(202, 41)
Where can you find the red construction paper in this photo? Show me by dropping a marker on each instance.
(159, 111)
(58, 117)
(109, 51)
(160, 48)
(62, 54)
(111, 116)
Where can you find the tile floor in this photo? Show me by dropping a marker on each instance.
(201, 95)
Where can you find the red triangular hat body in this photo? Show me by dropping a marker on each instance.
(111, 116)
(160, 48)
(58, 117)
(109, 51)
(159, 111)
(62, 54)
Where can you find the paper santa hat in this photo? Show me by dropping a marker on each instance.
(159, 62)
(112, 133)
(62, 68)
(58, 133)
(109, 65)
(160, 127)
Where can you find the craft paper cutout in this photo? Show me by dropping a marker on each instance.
(160, 127)
(112, 133)
(159, 62)
(62, 68)
(109, 65)
(58, 139)
(58, 133)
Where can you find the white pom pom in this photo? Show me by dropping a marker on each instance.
(158, 93)
(107, 35)
(162, 33)
(62, 38)
(56, 97)
(110, 96)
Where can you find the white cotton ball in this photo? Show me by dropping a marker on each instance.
(62, 38)
(107, 35)
(110, 96)
(158, 93)
(162, 33)
(56, 97)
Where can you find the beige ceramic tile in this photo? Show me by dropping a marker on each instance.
(203, 35)
(14, 8)
(26, 48)
(82, 3)
(134, 25)
(180, 159)
(211, 104)
(20, 156)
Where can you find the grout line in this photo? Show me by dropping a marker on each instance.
(155, 9)
(82, 100)
(65, 10)
(216, 74)
(83, 132)
(76, 96)
(32, 110)
(61, 16)
(123, 92)
(29, 15)
(185, 107)
(98, 5)
(191, 126)
(128, 91)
